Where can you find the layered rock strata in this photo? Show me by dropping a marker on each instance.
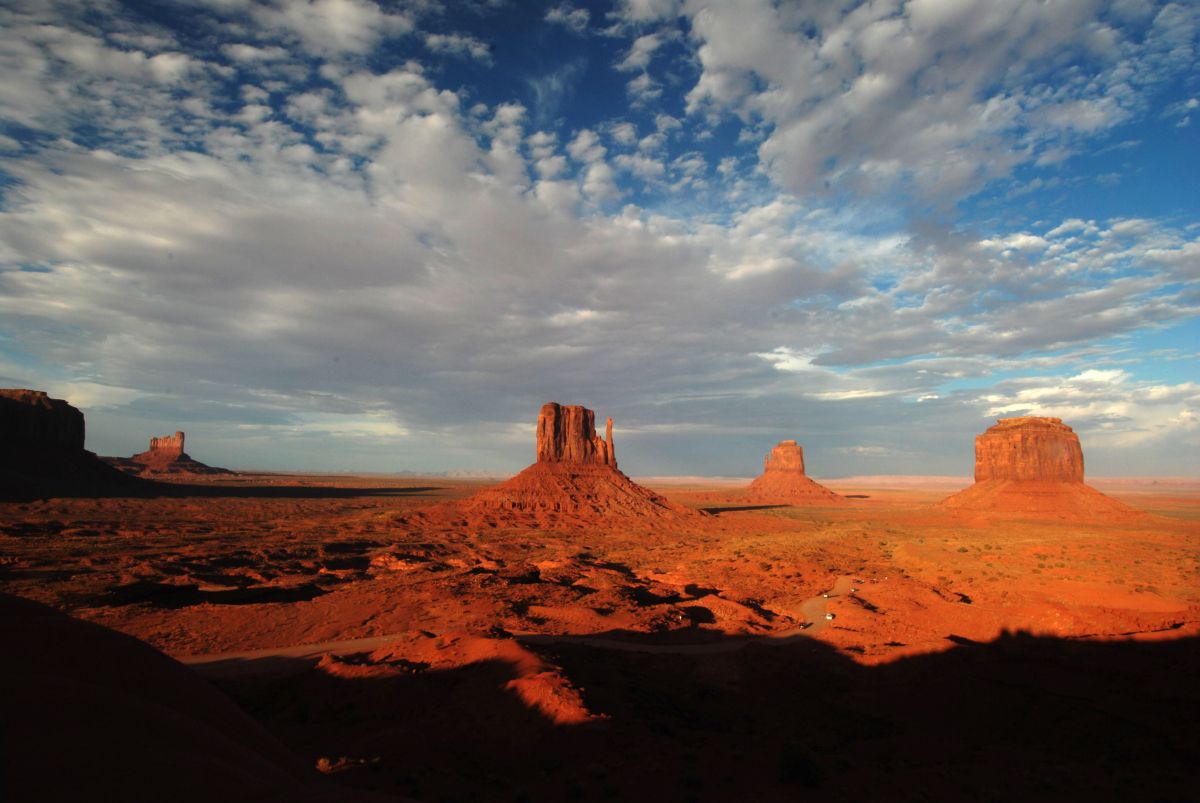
(1029, 448)
(783, 480)
(1033, 466)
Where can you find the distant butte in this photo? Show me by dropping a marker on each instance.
(41, 450)
(1033, 466)
(575, 476)
(164, 458)
(783, 480)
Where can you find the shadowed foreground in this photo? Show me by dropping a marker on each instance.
(85, 708)
(1021, 718)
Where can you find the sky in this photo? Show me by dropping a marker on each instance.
(346, 235)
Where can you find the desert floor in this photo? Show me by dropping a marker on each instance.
(953, 657)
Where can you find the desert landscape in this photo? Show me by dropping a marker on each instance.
(529, 401)
(571, 634)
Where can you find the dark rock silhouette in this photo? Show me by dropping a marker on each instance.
(91, 714)
(41, 450)
(32, 417)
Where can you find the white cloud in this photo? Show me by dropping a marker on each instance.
(343, 250)
(576, 19)
(461, 45)
(640, 53)
(647, 10)
(945, 96)
(330, 27)
(1109, 408)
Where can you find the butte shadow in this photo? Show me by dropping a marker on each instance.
(1033, 467)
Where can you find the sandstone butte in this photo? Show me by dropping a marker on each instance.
(1033, 466)
(164, 457)
(574, 479)
(41, 449)
(783, 480)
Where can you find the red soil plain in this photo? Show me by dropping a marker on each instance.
(569, 634)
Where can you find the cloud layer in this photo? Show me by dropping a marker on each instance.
(309, 229)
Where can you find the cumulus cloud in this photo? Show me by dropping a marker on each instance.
(1109, 407)
(940, 96)
(331, 27)
(334, 248)
(460, 45)
(576, 19)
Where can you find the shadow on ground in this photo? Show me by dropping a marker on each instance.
(1023, 717)
(1019, 718)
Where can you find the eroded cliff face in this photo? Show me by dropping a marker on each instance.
(32, 418)
(785, 456)
(1029, 448)
(170, 445)
(165, 458)
(567, 434)
(1032, 467)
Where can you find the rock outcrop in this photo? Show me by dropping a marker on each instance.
(1033, 466)
(783, 480)
(31, 417)
(567, 434)
(1029, 448)
(164, 458)
(573, 481)
(41, 450)
(167, 445)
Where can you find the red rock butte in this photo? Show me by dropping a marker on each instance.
(167, 444)
(1033, 466)
(1029, 448)
(783, 480)
(164, 457)
(574, 479)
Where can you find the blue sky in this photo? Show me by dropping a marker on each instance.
(340, 234)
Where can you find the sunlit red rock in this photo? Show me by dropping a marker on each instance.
(783, 480)
(1033, 466)
(165, 457)
(567, 434)
(1029, 448)
(575, 476)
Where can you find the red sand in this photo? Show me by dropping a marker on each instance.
(548, 655)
